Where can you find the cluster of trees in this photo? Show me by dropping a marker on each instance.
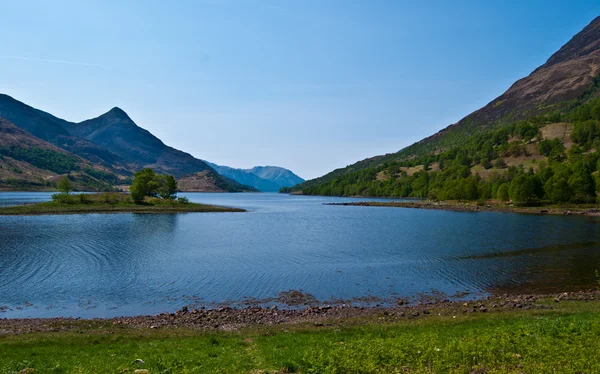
(22, 184)
(146, 183)
(47, 159)
(566, 177)
(103, 176)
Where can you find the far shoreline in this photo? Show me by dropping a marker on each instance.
(589, 210)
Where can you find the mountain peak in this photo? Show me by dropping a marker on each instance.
(585, 42)
(117, 112)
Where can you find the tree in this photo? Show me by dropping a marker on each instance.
(167, 186)
(64, 185)
(147, 183)
(503, 192)
(171, 185)
(557, 188)
(582, 184)
(524, 189)
(143, 185)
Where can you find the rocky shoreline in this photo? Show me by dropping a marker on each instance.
(474, 207)
(231, 319)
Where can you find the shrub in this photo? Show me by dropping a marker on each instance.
(62, 198)
(499, 163)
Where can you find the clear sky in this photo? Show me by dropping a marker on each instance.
(311, 85)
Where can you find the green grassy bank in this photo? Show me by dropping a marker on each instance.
(564, 339)
(110, 203)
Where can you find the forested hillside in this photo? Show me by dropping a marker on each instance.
(28, 162)
(538, 141)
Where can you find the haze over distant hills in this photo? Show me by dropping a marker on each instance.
(96, 153)
(263, 178)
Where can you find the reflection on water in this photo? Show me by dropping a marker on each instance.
(124, 264)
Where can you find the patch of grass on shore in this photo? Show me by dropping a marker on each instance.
(563, 340)
(110, 203)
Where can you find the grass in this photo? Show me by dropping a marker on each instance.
(110, 203)
(562, 340)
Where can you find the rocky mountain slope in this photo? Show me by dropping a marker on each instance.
(54, 130)
(27, 161)
(263, 178)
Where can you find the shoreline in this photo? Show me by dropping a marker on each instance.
(109, 203)
(233, 319)
(590, 210)
(143, 210)
(507, 334)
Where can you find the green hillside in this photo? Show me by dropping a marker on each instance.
(510, 149)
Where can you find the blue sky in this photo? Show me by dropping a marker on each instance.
(310, 85)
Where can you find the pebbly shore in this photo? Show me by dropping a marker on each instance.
(231, 319)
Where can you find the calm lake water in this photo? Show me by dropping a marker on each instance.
(102, 265)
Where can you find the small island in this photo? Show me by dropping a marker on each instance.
(149, 193)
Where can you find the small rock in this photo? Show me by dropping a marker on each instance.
(141, 371)
(139, 361)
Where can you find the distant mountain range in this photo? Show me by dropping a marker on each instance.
(263, 178)
(36, 148)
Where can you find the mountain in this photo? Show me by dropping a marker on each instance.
(117, 132)
(283, 177)
(114, 144)
(54, 130)
(511, 129)
(263, 178)
(27, 161)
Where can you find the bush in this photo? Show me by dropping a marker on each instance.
(62, 198)
(499, 163)
(183, 200)
(83, 199)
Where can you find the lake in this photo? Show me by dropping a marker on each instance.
(103, 265)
